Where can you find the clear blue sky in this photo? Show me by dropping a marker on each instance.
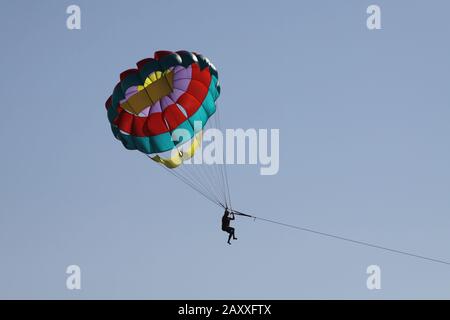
(364, 128)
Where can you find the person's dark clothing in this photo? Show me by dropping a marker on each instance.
(226, 225)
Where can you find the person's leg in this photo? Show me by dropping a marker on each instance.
(232, 232)
(229, 237)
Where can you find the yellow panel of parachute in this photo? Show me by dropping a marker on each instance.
(178, 156)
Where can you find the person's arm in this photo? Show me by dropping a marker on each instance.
(232, 216)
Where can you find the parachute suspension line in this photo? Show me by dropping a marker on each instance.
(215, 167)
(204, 174)
(200, 172)
(224, 166)
(197, 175)
(334, 236)
(210, 180)
(218, 166)
(195, 179)
(192, 176)
(194, 187)
(215, 170)
(211, 171)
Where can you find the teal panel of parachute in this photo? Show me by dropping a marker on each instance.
(143, 144)
(188, 127)
(209, 104)
(214, 88)
(153, 144)
(115, 131)
(116, 97)
(199, 116)
(127, 141)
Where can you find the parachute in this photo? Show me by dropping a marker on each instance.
(179, 90)
(166, 94)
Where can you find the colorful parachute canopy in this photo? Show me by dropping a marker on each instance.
(173, 90)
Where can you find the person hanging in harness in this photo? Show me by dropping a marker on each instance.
(226, 218)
